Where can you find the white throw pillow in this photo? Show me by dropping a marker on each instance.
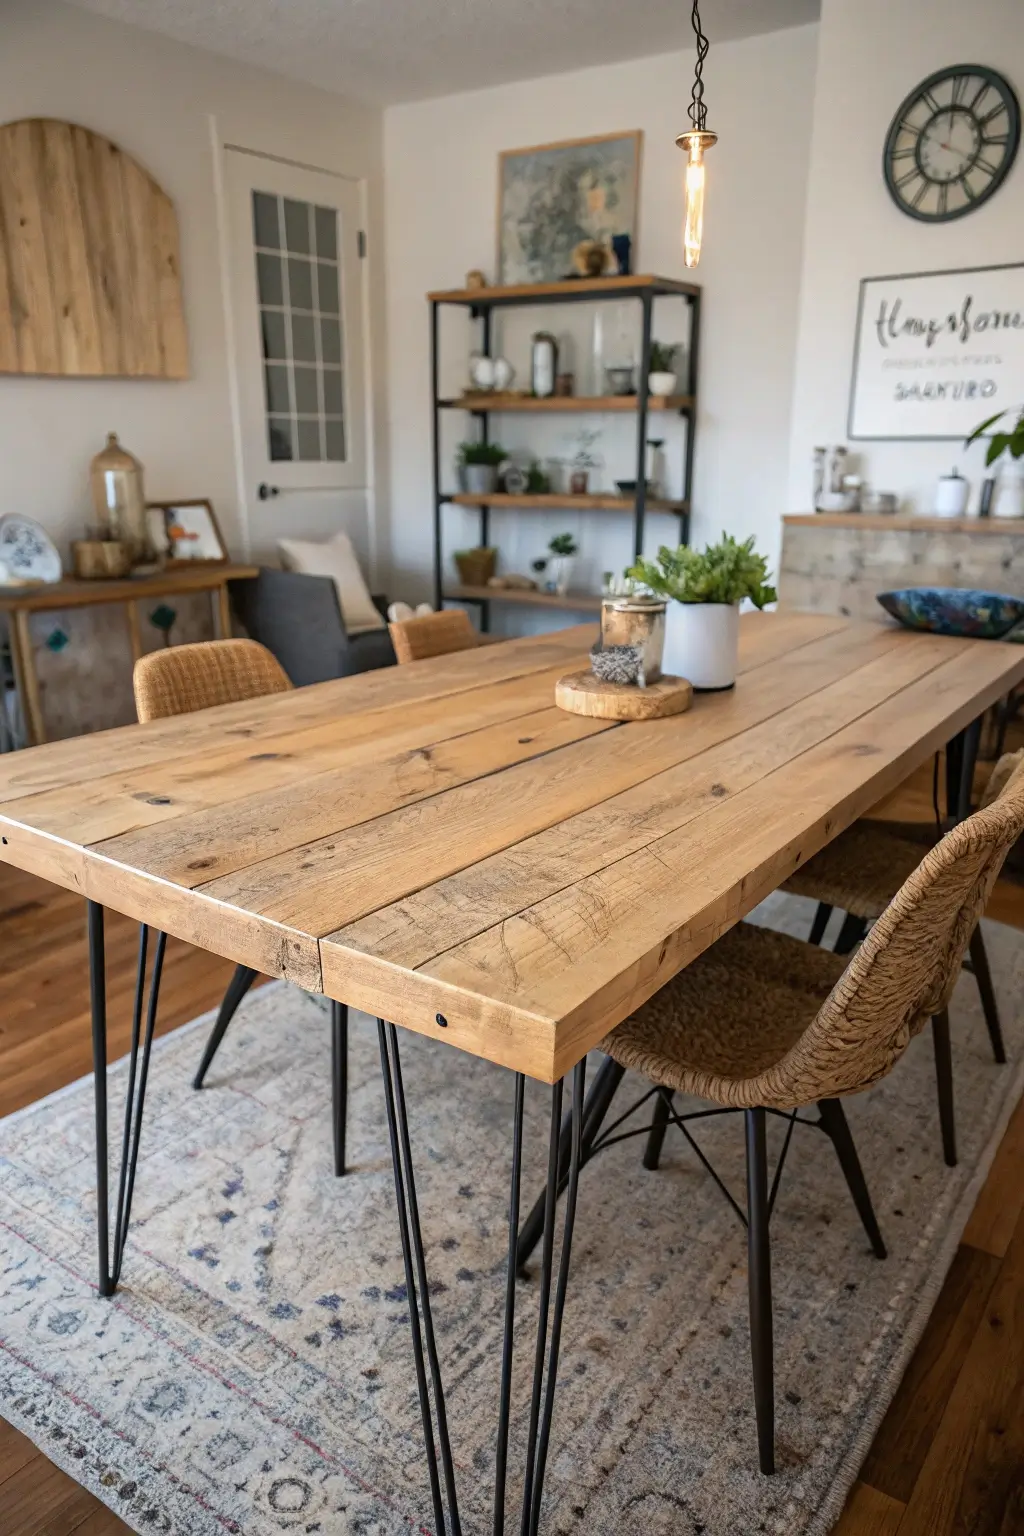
(335, 558)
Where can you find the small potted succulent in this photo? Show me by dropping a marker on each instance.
(478, 467)
(702, 619)
(1009, 447)
(662, 378)
(562, 552)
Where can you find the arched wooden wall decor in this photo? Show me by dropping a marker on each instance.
(90, 279)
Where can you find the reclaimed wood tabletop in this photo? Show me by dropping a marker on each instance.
(439, 845)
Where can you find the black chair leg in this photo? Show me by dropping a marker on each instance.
(759, 1280)
(834, 1122)
(820, 923)
(850, 934)
(599, 1097)
(339, 1081)
(944, 1079)
(238, 986)
(656, 1138)
(983, 976)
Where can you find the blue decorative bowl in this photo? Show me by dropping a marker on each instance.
(954, 611)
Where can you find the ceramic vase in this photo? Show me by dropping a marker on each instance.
(661, 383)
(479, 479)
(702, 643)
(559, 572)
(1010, 489)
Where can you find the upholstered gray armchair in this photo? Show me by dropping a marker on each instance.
(298, 618)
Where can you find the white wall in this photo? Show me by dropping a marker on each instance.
(871, 54)
(440, 196)
(154, 98)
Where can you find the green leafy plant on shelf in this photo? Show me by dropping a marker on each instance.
(725, 572)
(563, 544)
(1011, 442)
(482, 453)
(538, 482)
(663, 356)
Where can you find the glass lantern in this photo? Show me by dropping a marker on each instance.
(119, 499)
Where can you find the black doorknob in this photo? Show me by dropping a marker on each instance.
(266, 490)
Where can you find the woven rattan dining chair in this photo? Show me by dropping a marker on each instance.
(762, 1022)
(433, 634)
(177, 681)
(858, 873)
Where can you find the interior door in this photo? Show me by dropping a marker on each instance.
(295, 256)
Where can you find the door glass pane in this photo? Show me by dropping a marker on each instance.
(300, 326)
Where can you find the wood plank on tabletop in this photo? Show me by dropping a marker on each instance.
(588, 956)
(973, 1468)
(82, 758)
(337, 879)
(159, 792)
(736, 742)
(225, 838)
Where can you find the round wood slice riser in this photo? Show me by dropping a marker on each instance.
(581, 693)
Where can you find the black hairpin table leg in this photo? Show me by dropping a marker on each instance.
(551, 1301)
(111, 1261)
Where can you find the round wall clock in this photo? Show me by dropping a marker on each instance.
(952, 143)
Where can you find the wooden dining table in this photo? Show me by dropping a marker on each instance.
(440, 846)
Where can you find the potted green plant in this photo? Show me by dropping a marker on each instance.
(1009, 447)
(562, 552)
(662, 378)
(704, 592)
(478, 467)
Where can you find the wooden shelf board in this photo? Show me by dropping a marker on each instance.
(577, 602)
(568, 289)
(565, 502)
(907, 523)
(492, 401)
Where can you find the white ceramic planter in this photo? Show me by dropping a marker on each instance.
(1010, 490)
(661, 383)
(702, 643)
(559, 572)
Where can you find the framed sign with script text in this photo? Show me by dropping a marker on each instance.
(937, 352)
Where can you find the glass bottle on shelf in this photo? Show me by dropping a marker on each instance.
(115, 476)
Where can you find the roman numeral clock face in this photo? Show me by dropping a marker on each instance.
(952, 143)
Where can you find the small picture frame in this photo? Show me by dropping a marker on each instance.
(186, 533)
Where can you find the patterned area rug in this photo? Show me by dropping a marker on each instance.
(254, 1373)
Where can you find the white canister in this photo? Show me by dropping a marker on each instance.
(1009, 500)
(702, 643)
(951, 495)
(543, 364)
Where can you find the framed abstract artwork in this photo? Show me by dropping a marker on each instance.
(186, 532)
(553, 196)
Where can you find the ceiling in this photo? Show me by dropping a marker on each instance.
(403, 50)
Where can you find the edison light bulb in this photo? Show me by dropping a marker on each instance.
(693, 213)
(694, 142)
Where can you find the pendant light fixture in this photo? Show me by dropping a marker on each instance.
(697, 138)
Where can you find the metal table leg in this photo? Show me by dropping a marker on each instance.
(110, 1262)
(550, 1310)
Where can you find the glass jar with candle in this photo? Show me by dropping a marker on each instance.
(119, 499)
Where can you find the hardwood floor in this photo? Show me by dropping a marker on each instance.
(948, 1459)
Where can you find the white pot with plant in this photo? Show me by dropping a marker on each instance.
(662, 378)
(703, 614)
(1009, 448)
(478, 467)
(562, 551)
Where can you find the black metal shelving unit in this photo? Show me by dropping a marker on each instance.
(482, 302)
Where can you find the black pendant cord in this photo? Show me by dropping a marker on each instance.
(698, 111)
